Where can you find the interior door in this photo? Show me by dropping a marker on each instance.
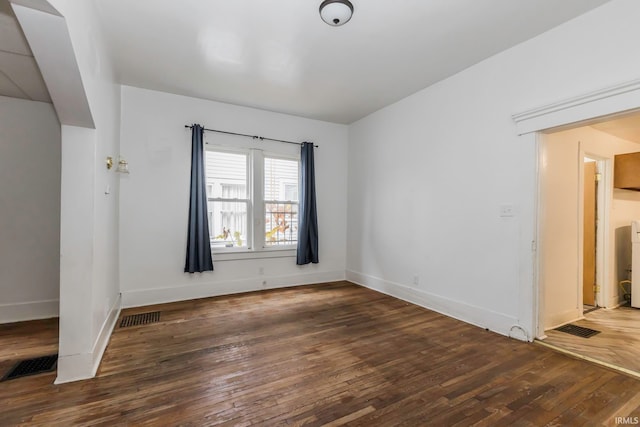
(589, 263)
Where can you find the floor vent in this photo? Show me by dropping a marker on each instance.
(140, 319)
(578, 331)
(34, 366)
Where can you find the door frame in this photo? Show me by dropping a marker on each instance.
(581, 109)
(603, 234)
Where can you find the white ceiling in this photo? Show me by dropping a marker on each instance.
(280, 56)
(19, 74)
(625, 127)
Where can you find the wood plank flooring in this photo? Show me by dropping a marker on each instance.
(25, 340)
(328, 354)
(618, 342)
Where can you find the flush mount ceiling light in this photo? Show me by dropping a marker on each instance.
(336, 12)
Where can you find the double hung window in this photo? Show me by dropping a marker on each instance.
(252, 200)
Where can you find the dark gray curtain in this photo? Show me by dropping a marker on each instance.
(198, 243)
(308, 221)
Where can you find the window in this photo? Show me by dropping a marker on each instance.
(228, 199)
(252, 200)
(281, 201)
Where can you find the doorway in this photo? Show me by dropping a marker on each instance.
(590, 203)
(584, 222)
(585, 240)
(574, 223)
(614, 110)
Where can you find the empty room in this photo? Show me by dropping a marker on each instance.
(337, 212)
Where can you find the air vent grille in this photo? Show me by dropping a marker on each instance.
(140, 319)
(33, 366)
(578, 331)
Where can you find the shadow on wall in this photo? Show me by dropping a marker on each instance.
(623, 254)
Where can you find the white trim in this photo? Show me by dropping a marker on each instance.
(32, 310)
(105, 333)
(83, 366)
(281, 252)
(257, 227)
(565, 318)
(42, 6)
(614, 304)
(187, 291)
(538, 295)
(580, 230)
(74, 367)
(477, 316)
(603, 102)
(603, 203)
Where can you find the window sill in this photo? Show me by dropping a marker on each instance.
(262, 254)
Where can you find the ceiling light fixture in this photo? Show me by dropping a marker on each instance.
(336, 12)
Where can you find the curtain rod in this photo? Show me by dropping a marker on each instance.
(261, 138)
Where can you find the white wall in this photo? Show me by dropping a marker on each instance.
(560, 246)
(29, 210)
(155, 196)
(89, 297)
(428, 175)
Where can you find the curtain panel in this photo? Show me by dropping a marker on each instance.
(198, 244)
(307, 251)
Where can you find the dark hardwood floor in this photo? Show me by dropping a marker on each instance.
(25, 340)
(328, 354)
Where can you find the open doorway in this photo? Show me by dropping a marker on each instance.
(585, 241)
(30, 208)
(590, 203)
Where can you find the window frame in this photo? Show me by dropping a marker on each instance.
(296, 202)
(247, 201)
(256, 209)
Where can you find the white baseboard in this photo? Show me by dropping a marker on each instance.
(74, 367)
(105, 334)
(31, 310)
(477, 316)
(83, 366)
(143, 297)
(615, 301)
(617, 305)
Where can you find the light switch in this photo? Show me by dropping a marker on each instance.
(107, 189)
(507, 210)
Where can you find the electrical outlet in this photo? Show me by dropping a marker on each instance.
(416, 279)
(261, 271)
